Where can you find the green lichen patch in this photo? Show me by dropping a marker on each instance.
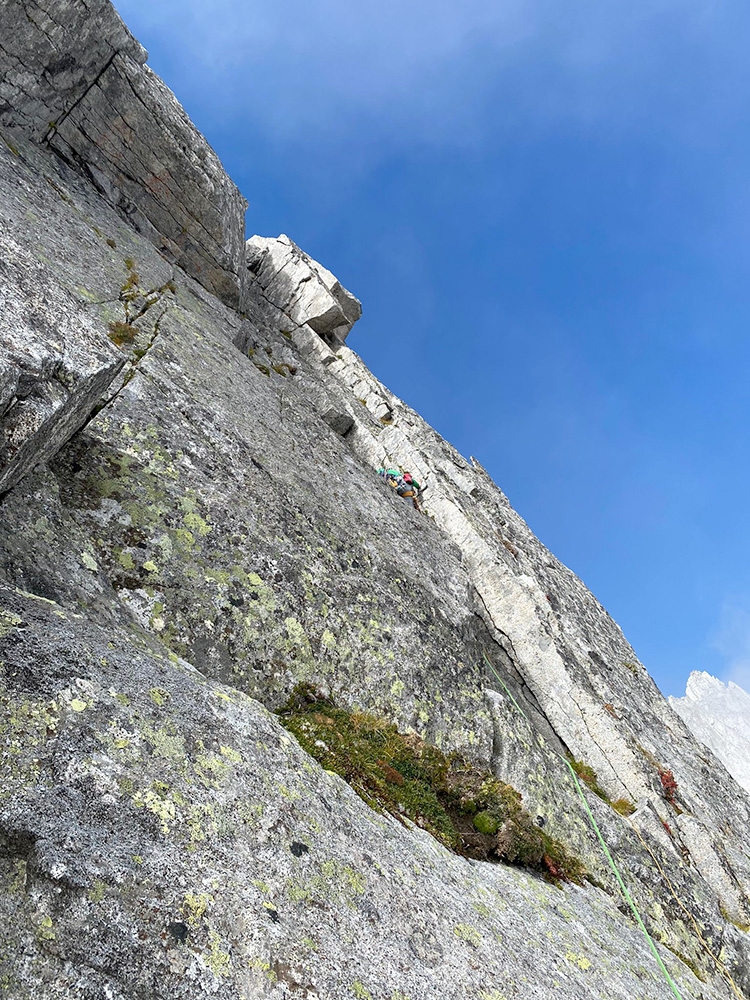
(8, 623)
(25, 725)
(335, 882)
(464, 807)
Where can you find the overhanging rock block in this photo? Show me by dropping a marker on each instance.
(54, 365)
(305, 291)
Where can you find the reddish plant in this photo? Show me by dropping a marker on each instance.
(667, 827)
(556, 870)
(669, 785)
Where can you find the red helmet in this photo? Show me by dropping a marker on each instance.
(407, 477)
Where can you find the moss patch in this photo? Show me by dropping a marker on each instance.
(467, 809)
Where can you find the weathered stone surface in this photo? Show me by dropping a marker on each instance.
(212, 503)
(574, 660)
(301, 288)
(74, 78)
(55, 363)
(51, 52)
(719, 715)
(161, 836)
(213, 467)
(220, 531)
(147, 158)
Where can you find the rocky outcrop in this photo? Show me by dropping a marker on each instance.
(215, 535)
(74, 79)
(719, 716)
(53, 52)
(55, 363)
(572, 659)
(302, 289)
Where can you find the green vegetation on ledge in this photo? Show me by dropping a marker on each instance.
(589, 777)
(465, 808)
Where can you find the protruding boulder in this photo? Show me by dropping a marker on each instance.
(305, 291)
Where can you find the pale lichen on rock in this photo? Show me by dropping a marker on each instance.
(215, 535)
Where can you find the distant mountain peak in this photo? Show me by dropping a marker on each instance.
(719, 715)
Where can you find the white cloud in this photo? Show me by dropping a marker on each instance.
(446, 71)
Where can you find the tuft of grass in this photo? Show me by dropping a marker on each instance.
(686, 960)
(623, 806)
(728, 917)
(464, 807)
(122, 334)
(588, 776)
(509, 546)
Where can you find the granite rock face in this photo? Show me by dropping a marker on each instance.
(719, 715)
(168, 839)
(74, 79)
(55, 364)
(52, 52)
(216, 534)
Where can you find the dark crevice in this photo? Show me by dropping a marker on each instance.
(55, 125)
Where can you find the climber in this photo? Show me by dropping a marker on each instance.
(409, 488)
(391, 476)
(404, 483)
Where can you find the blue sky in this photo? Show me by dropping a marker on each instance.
(545, 210)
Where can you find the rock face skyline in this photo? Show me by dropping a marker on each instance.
(191, 526)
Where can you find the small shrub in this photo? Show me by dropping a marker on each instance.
(669, 784)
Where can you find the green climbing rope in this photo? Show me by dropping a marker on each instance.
(610, 860)
(621, 883)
